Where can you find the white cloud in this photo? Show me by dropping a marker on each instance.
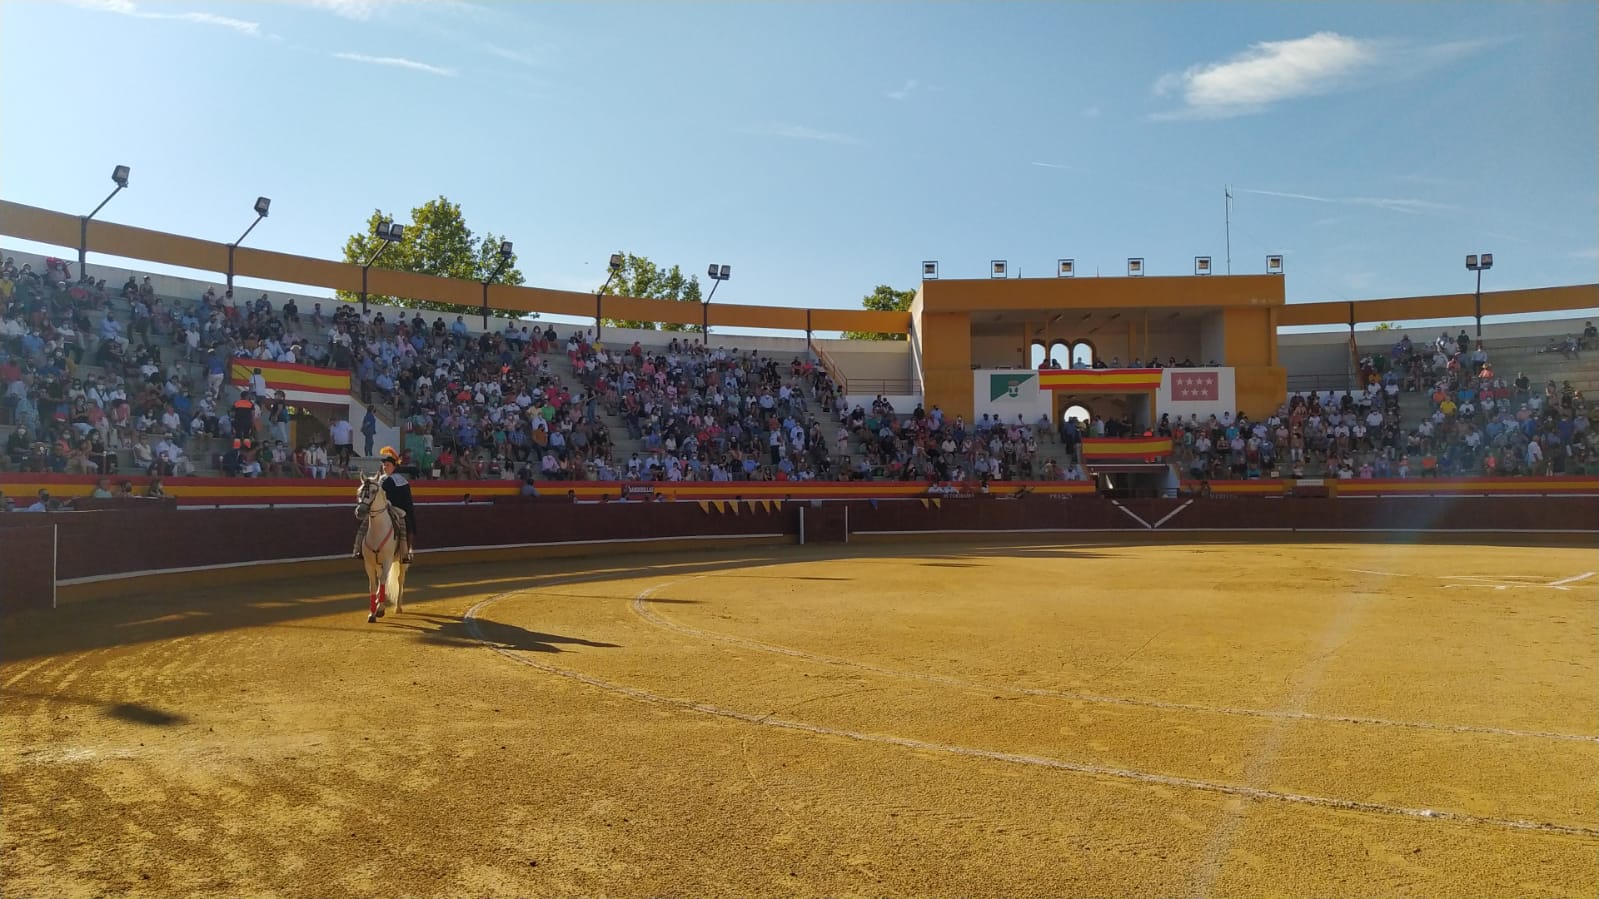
(1269, 72)
(364, 10)
(1395, 204)
(1590, 253)
(516, 56)
(1091, 112)
(902, 93)
(398, 62)
(801, 132)
(1275, 71)
(129, 8)
(1051, 165)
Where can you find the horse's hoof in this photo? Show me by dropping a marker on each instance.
(381, 611)
(371, 618)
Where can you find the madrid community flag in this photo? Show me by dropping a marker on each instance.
(1195, 387)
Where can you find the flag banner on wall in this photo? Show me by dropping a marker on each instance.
(705, 506)
(1195, 387)
(1008, 386)
(1125, 448)
(304, 383)
(1103, 380)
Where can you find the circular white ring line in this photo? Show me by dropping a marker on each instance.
(640, 606)
(469, 618)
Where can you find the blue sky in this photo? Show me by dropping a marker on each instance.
(821, 149)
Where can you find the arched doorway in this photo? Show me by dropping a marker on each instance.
(1077, 411)
(1082, 354)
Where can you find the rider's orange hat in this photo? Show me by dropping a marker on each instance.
(388, 454)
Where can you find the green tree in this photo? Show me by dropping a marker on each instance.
(1387, 326)
(436, 241)
(639, 277)
(883, 299)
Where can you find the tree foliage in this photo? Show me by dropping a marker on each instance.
(883, 299)
(436, 241)
(639, 277)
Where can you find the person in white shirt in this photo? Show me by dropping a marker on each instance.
(343, 440)
(316, 461)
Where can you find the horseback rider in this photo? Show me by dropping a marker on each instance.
(398, 490)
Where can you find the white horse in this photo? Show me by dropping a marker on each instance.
(379, 550)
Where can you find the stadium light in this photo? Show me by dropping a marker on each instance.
(616, 269)
(1474, 264)
(1201, 265)
(1135, 267)
(120, 176)
(930, 270)
(997, 268)
(262, 206)
(388, 232)
(1274, 264)
(717, 273)
(505, 260)
(1067, 268)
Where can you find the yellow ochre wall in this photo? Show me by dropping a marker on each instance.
(976, 295)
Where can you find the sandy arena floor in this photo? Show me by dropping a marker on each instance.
(936, 720)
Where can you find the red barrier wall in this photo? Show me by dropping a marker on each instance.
(126, 538)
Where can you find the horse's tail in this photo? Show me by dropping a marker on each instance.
(395, 584)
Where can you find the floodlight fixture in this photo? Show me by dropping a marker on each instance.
(1201, 265)
(616, 262)
(1135, 266)
(1066, 268)
(1274, 264)
(262, 206)
(997, 268)
(120, 175)
(930, 270)
(505, 248)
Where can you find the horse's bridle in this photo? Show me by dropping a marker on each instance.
(363, 500)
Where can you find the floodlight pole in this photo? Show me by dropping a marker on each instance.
(1479, 264)
(385, 232)
(262, 206)
(616, 269)
(120, 176)
(717, 274)
(505, 259)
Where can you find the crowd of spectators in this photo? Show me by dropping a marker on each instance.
(87, 373)
(1478, 423)
(520, 402)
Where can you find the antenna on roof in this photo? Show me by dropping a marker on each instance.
(1228, 191)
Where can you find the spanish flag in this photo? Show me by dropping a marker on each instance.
(1107, 448)
(303, 383)
(1101, 380)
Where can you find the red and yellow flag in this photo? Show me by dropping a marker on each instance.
(1102, 380)
(1106, 448)
(306, 383)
